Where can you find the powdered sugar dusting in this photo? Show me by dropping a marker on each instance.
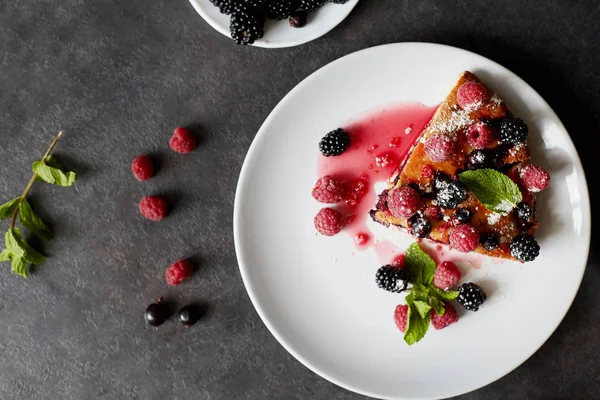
(408, 130)
(496, 100)
(459, 119)
(493, 218)
(505, 206)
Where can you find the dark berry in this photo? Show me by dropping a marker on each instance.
(451, 195)
(392, 279)
(156, 313)
(334, 143)
(488, 241)
(246, 24)
(338, 1)
(311, 5)
(189, 315)
(463, 215)
(419, 225)
(225, 6)
(524, 248)
(440, 181)
(470, 296)
(524, 214)
(298, 19)
(477, 159)
(279, 9)
(513, 130)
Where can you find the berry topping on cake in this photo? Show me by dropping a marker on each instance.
(463, 215)
(400, 314)
(450, 194)
(489, 241)
(439, 148)
(464, 238)
(479, 135)
(472, 96)
(524, 214)
(329, 222)
(329, 190)
(441, 321)
(419, 226)
(470, 296)
(392, 279)
(334, 143)
(534, 178)
(404, 201)
(524, 248)
(513, 130)
(446, 275)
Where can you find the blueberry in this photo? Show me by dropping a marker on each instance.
(463, 215)
(524, 214)
(419, 225)
(488, 241)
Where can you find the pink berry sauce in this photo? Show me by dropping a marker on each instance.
(380, 142)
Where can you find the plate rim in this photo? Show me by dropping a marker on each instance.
(268, 44)
(237, 217)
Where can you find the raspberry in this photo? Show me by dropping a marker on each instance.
(471, 96)
(427, 171)
(329, 191)
(464, 238)
(142, 168)
(182, 141)
(439, 148)
(441, 321)
(329, 222)
(447, 275)
(153, 207)
(434, 212)
(361, 238)
(534, 178)
(179, 271)
(400, 314)
(403, 202)
(479, 135)
(399, 261)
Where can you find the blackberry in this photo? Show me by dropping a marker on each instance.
(524, 214)
(247, 23)
(488, 241)
(419, 225)
(338, 1)
(334, 143)
(470, 296)
(513, 130)
(225, 6)
(451, 195)
(311, 5)
(298, 19)
(463, 215)
(524, 248)
(486, 158)
(440, 181)
(279, 9)
(392, 279)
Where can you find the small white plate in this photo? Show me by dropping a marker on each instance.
(280, 33)
(317, 295)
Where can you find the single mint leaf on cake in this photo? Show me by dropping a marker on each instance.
(496, 191)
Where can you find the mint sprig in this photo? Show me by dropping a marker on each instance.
(496, 191)
(423, 296)
(17, 250)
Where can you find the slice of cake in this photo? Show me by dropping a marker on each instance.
(467, 180)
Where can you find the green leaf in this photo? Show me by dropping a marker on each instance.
(52, 174)
(416, 327)
(438, 306)
(496, 191)
(18, 267)
(422, 307)
(7, 208)
(5, 255)
(32, 222)
(419, 265)
(19, 248)
(444, 295)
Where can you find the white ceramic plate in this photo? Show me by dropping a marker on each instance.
(279, 33)
(317, 295)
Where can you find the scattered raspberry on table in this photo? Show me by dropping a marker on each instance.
(153, 207)
(182, 141)
(142, 167)
(179, 271)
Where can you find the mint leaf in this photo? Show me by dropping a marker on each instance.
(420, 266)
(19, 248)
(444, 295)
(7, 208)
(18, 267)
(32, 222)
(52, 174)
(416, 327)
(5, 255)
(496, 191)
(422, 307)
(438, 306)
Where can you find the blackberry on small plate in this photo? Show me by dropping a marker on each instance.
(392, 279)
(279, 9)
(311, 5)
(334, 143)
(470, 296)
(246, 24)
(524, 248)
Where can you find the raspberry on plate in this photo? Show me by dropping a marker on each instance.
(329, 190)
(142, 167)
(464, 238)
(446, 275)
(153, 207)
(479, 135)
(403, 202)
(182, 141)
(329, 222)
(471, 96)
(179, 271)
(441, 321)
(439, 148)
(534, 178)
(400, 314)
